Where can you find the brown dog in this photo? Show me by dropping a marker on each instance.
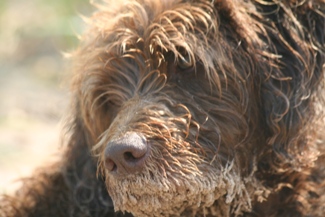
(192, 108)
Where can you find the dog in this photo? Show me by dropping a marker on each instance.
(191, 108)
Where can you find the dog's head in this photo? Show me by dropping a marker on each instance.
(182, 100)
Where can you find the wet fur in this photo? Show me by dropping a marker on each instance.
(241, 131)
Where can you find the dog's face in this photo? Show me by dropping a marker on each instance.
(169, 96)
(166, 108)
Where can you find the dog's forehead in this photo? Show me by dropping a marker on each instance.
(135, 35)
(165, 24)
(156, 27)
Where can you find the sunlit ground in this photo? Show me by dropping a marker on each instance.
(33, 86)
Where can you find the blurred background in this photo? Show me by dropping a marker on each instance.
(34, 34)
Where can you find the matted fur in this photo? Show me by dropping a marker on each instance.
(228, 96)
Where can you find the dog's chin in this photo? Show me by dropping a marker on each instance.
(146, 194)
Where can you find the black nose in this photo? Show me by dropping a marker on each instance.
(127, 154)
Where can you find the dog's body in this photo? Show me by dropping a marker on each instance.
(192, 108)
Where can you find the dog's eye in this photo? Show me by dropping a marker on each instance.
(185, 61)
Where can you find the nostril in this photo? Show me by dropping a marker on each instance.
(129, 156)
(109, 164)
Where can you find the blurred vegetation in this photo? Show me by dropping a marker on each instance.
(32, 28)
(33, 36)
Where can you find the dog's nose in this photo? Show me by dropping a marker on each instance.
(127, 154)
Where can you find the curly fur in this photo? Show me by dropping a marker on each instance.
(229, 96)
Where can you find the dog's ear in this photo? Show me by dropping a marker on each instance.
(290, 90)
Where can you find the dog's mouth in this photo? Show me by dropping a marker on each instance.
(151, 193)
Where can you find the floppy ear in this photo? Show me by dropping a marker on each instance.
(290, 91)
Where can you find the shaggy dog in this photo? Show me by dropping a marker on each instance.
(192, 108)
